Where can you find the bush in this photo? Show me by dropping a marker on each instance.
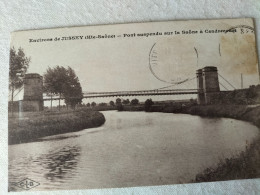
(102, 104)
(112, 103)
(126, 101)
(148, 104)
(120, 107)
(134, 102)
(118, 101)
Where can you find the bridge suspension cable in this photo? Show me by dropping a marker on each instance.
(222, 85)
(18, 92)
(226, 81)
(185, 81)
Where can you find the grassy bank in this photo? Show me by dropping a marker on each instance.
(157, 107)
(240, 112)
(28, 127)
(243, 166)
(103, 108)
(246, 165)
(131, 108)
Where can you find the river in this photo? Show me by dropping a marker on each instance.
(130, 149)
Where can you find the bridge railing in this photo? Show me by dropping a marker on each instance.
(131, 93)
(143, 91)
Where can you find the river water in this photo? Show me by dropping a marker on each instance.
(130, 149)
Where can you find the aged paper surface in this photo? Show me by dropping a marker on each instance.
(133, 105)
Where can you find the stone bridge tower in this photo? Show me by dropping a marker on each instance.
(201, 95)
(33, 93)
(207, 85)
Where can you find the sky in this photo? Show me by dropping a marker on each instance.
(131, 62)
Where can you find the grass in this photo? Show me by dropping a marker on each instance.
(243, 166)
(28, 127)
(246, 165)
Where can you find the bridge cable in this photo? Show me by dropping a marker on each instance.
(185, 81)
(226, 81)
(18, 92)
(223, 86)
(181, 82)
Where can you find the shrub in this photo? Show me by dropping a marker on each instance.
(120, 107)
(134, 102)
(112, 103)
(148, 104)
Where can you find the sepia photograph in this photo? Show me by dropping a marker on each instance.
(137, 104)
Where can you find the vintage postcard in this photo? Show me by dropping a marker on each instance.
(136, 104)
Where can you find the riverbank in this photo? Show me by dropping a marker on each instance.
(246, 165)
(239, 112)
(28, 127)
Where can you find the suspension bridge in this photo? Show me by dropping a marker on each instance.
(208, 86)
(154, 92)
(131, 93)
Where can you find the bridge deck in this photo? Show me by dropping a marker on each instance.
(133, 93)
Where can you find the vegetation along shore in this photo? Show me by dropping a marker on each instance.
(30, 126)
(242, 166)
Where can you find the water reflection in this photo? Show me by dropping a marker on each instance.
(60, 163)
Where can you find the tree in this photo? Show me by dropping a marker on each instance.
(193, 101)
(102, 104)
(88, 104)
(120, 107)
(54, 80)
(126, 101)
(112, 103)
(72, 89)
(251, 92)
(19, 64)
(118, 101)
(93, 104)
(63, 82)
(148, 104)
(134, 101)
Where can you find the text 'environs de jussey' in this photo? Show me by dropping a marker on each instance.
(128, 35)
